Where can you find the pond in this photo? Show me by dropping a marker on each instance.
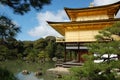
(17, 66)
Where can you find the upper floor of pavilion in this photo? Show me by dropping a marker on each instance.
(93, 13)
(85, 23)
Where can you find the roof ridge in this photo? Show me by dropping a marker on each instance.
(93, 7)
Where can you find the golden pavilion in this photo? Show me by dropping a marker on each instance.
(84, 24)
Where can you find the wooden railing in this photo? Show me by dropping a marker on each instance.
(60, 39)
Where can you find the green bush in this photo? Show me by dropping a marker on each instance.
(6, 75)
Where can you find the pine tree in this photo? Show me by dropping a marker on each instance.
(24, 6)
(108, 43)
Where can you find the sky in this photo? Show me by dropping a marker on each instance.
(33, 24)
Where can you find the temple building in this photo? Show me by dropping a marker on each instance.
(84, 24)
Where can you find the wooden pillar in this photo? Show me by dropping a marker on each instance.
(75, 54)
(70, 55)
(78, 52)
(65, 53)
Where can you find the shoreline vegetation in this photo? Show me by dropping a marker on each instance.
(6, 74)
(41, 50)
(35, 70)
(35, 53)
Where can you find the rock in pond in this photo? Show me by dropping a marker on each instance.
(38, 73)
(25, 72)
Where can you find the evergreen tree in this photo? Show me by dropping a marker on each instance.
(50, 49)
(6, 75)
(8, 29)
(108, 43)
(23, 6)
(59, 51)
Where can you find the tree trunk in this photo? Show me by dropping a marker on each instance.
(118, 56)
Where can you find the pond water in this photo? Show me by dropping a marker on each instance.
(17, 66)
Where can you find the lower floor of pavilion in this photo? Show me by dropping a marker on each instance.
(75, 51)
(73, 55)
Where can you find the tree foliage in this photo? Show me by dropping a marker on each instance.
(8, 29)
(23, 6)
(3, 52)
(40, 44)
(6, 75)
(59, 51)
(50, 49)
(40, 50)
(114, 29)
(108, 43)
(111, 38)
(32, 55)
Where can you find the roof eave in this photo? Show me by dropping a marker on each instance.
(117, 3)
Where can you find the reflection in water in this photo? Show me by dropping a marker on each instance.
(17, 66)
(30, 76)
